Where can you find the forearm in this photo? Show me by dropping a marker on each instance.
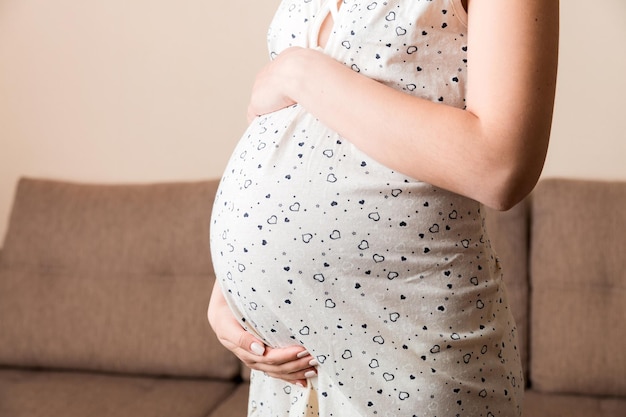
(439, 144)
(425, 140)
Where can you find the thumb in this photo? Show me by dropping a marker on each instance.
(257, 348)
(251, 344)
(228, 329)
(247, 341)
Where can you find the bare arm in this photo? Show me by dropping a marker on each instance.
(492, 152)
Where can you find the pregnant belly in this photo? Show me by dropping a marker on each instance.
(307, 231)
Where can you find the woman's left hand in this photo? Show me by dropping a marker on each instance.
(270, 91)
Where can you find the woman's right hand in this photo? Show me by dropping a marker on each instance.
(291, 364)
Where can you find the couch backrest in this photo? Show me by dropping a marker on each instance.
(578, 287)
(110, 277)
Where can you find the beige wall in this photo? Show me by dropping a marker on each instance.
(589, 129)
(154, 90)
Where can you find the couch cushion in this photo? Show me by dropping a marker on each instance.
(538, 404)
(110, 278)
(578, 278)
(508, 233)
(236, 405)
(68, 394)
(142, 324)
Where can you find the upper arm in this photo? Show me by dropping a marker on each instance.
(512, 63)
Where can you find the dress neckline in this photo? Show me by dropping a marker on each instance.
(328, 7)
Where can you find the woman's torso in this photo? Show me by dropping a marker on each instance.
(316, 243)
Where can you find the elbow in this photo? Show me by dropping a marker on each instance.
(504, 201)
(510, 188)
(512, 173)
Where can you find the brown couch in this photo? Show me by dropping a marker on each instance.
(103, 294)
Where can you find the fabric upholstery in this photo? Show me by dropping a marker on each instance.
(236, 404)
(537, 404)
(111, 278)
(508, 233)
(159, 229)
(26, 393)
(578, 278)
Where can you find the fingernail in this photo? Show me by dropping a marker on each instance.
(310, 374)
(300, 384)
(302, 354)
(313, 362)
(257, 349)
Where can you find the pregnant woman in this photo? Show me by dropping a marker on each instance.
(354, 272)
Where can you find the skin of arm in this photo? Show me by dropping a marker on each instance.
(493, 151)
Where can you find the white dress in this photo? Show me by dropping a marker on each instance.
(390, 282)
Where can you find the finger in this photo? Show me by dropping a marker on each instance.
(304, 374)
(294, 355)
(301, 368)
(299, 378)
